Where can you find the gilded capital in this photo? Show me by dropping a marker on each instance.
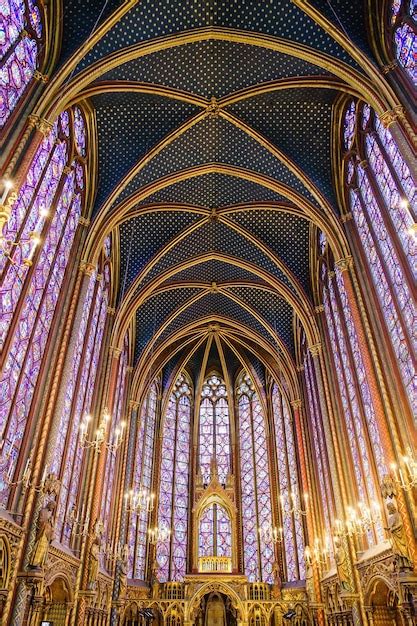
(83, 221)
(37, 75)
(315, 350)
(300, 368)
(319, 308)
(114, 351)
(133, 404)
(111, 310)
(347, 217)
(344, 264)
(87, 268)
(296, 404)
(389, 67)
(44, 126)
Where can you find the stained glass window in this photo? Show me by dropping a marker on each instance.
(258, 551)
(321, 464)
(381, 197)
(215, 532)
(174, 483)
(20, 46)
(357, 407)
(142, 484)
(117, 420)
(214, 429)
(289, 490)
(69, 457)
(403, 19)
(49, 203)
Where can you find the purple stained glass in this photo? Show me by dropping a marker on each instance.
(258, 552)
(319, 445)
(398, 308)
(71, 462)
(109, 475)
(79, 131)
(215, 532)
(173, 492)
(405, 39)
(349, 125)
(142, 482)
(399, 213)
(18, 54)
(24, 359)
(349, 374)
(214, 429)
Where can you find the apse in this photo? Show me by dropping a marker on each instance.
(207, 314)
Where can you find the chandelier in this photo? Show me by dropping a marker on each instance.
(295, 507)
(99, 439)
(158, 534)
(359, 520)
(405, 475)
(271, 534)
(319, 554)
(137, 501)
(7, 246)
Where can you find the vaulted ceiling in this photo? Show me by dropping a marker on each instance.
(216, 123)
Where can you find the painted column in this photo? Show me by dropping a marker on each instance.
(296, 406)
(96, 482)
(404, 135)
(126, 477)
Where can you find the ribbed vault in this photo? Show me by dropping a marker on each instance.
(215, 126)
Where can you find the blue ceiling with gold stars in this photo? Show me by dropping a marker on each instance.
(215, 123)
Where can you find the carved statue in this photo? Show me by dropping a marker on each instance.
(342, 565)
(44, 536)
(310, 581)
(154, 579)
(276, 585)
(399, 542)
(124, 568)
(93, 564)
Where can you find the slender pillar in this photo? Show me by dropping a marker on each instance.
(404, 135)
(126, 476)
(296, 406)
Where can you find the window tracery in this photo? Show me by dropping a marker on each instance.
(174, 481)
(258, 551)
(142, 482)
(404, 32)
(67, 465)
(20, 51)
(49, 203)
(288, 487)
(214, 429)
(215, 532)
(362, 432)
(381, 197)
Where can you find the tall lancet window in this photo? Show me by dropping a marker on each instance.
(20, 49)
(382, 198)
(289, 489)
(258, 551)
(403, 20)
(69, 454)
(215, 532)
(174, 483)
(142, 483)
(46, 213)
(214, 429)
(362, 432)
